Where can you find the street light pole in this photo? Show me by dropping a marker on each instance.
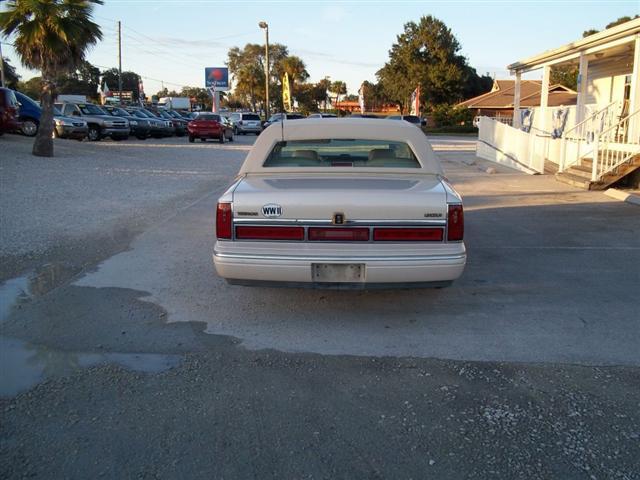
(265, 26)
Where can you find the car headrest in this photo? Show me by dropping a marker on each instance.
(308, 154)
(381, 154)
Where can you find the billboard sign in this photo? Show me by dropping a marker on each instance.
(217, 78)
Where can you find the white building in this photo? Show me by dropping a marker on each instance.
(592, 144)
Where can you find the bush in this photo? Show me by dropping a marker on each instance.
(448, 115)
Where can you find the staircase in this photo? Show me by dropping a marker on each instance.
(595, 160)
(580, 175)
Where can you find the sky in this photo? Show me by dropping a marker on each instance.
(170, 42)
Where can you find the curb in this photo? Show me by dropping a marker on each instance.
(627, 197)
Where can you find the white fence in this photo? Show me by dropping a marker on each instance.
(514, 148)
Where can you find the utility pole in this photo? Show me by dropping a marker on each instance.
(1, 67)
(265, 26)
(119, 63)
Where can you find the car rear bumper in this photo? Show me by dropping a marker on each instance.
(248, 129)
(388, 271)
(205, 133)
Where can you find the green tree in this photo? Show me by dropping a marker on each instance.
(83, 80)
(425, 54)
(51, 36)
(130, 82)
(31, 88)
(247, 66)
(295, 68)
(198, 95)
(11, 77)
(338, 87)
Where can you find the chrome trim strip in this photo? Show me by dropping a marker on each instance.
(410, 258)
(294, 221)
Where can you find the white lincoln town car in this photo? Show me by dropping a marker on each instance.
(340, 203)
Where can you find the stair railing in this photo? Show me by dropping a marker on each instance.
(616, 145)
(585, 133)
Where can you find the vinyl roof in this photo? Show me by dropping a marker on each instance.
(345, 128)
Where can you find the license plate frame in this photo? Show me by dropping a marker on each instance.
(338, 272)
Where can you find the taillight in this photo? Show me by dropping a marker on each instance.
(269, 233)
(455, 223)
(408, 234)
(224, 218)
(339, 234)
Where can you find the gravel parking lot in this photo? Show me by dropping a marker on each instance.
(125, 356)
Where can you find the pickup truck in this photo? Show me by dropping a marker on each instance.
(100, 123)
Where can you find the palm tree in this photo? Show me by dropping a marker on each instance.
(296, 69)
(51, 36)
(339, 88)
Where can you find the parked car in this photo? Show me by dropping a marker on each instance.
(100, 124)
(364, 115)
(209, 125)
(244, 123)
(179, 125)
(349, 203)
(140, 127)
(322, 115)
(168, 129)
(157, 127)
(9, 111)
(408, 118)
(228, 129)
(29, 118)
(277, 117)
(69, 127)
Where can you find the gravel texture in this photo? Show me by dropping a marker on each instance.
(207, 407)
(106, 190)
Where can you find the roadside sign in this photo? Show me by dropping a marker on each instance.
(217, 77)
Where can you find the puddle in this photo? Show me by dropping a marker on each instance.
(23, 365)
(35, 284)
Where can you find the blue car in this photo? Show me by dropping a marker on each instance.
(29, 114)
(63, 127)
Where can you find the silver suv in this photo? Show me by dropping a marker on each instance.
(100, 123)
(244, 123)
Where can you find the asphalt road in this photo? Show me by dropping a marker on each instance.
(123, 355)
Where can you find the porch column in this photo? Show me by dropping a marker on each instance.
(582, 88)
(634, 98)
(544, 98)
(516, 100)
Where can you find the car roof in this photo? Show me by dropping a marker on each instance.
(346, 128)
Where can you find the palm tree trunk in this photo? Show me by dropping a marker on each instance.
(43, 143)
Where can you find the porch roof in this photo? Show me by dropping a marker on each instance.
(503, 93)
(612, 37)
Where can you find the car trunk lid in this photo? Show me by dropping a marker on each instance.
(358, 198)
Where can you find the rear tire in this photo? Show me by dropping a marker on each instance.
(203, 139)
(221, 139)
(191, 139)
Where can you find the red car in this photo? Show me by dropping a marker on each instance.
(9, 111)
(209, 125)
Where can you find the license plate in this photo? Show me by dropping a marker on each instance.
(337, 272)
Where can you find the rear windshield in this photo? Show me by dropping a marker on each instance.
(248, 116)
(342, 153)
(209, 117)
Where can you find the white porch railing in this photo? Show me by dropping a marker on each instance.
(616, 145)
(578, 142)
